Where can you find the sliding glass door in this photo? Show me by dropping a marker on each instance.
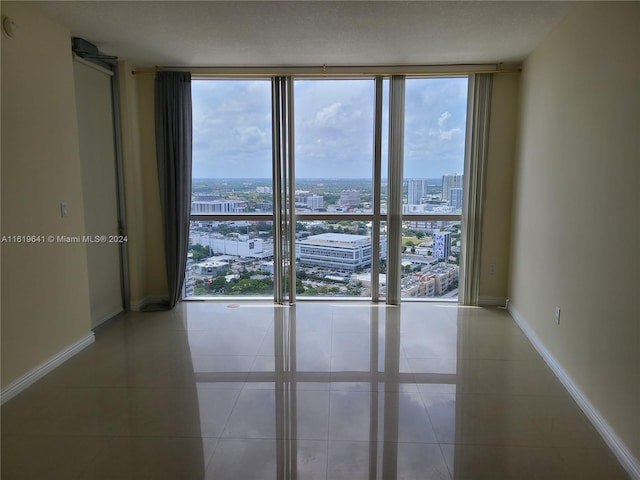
(231, 236)
(433, 186)
(320, 187)
(334, 187)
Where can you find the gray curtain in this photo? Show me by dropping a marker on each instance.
(173, 150)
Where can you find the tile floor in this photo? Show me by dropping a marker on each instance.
(316, 391)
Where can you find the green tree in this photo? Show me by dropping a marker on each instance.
(218, 282)
(199, 252)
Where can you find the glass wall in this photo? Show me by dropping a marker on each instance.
(433, 187)
(335, 167)
(229, 254)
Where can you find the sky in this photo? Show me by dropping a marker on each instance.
(333, 128)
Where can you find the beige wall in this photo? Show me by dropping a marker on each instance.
(132, 178)
(496, 219)
(576, 241)
(147, 275)
(156, 275)
(45, 298)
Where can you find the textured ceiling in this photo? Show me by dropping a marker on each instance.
(305, 33)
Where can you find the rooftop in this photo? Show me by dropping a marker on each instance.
(336, 238)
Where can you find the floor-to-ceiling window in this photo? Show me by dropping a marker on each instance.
(335, 137)
(334, 187)
(434, 157)
(231, 235)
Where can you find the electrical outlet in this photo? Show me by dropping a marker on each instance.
(558, 315)
(492, 269)
(64, 209)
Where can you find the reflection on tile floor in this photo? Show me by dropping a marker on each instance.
(316, 391)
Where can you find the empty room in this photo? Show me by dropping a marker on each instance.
(320, 240)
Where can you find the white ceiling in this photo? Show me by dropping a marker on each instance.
(309, 33)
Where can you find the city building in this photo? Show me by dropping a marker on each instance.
(239, 246)
(431, 281)
(415, 191)
(449, 181)
(365, 279)
(350, 198)
(205, 197)
(211, 267)
(189, 280)
(267, 267)
(442, 245)
(425, 225)
(341, 251)
(218, 206)
(455, 198)
(301, 196)
(445, 277)
(419, 285)
(315, 202)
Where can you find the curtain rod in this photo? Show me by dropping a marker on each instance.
(325, 70)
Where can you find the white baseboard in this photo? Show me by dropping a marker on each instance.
(28, 379)
(630, 463)
(492, 301)
(140, 304)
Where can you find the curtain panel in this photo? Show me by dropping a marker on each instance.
(173, 149)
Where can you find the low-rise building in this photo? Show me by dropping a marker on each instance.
(239, 246)
(211, 267)
(201, 207)
(336, 250)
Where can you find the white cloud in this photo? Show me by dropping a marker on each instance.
(333, 127)
(327, 115)
(249, 134)
(449, 134)
(442, 119)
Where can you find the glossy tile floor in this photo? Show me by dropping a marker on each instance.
(316, 391)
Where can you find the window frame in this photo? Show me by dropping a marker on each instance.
(284, 216)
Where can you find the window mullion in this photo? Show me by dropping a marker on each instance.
(376, 197)
(291, 189)
(278, 190)
(395, 181)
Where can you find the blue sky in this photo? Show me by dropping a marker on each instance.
(333, 128)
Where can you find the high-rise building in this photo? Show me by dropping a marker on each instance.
(315, 202)
(302, 195)
(350, 197)
(449, 181)
(442, 245)
(455, 198)
(415, 191)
